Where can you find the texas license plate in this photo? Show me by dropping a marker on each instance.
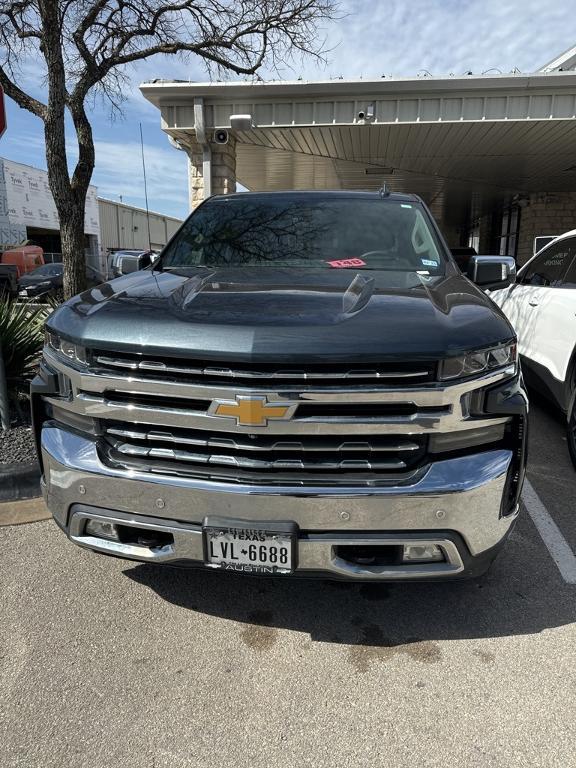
(234, 545)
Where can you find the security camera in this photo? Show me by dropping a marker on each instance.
(221, 137)
(368, 113)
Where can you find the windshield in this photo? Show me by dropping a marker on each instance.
(372, 234)
(48, 270)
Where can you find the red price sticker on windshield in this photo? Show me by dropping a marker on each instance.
(343, 263)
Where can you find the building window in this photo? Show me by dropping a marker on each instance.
(509, 231)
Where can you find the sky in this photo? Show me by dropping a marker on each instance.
(396, 38)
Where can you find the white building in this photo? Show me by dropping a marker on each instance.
(28, 211)
(126, 226)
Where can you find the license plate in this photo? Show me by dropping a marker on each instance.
(245, 547)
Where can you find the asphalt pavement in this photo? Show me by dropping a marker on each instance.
(104, 662)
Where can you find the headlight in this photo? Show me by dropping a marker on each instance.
(67, 350)
(477, 363)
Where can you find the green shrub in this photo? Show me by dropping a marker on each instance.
(21, 338)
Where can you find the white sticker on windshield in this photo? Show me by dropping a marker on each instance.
(429, 263)
(405, 205)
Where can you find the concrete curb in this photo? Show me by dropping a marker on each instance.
(20, 512)
(19, 481)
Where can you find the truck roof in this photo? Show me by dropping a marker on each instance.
(315, 194)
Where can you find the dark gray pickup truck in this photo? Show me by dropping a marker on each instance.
(304, 383)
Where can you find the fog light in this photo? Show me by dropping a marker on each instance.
(422, 553)
(101, 530)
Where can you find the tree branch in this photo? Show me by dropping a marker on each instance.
(21, 98)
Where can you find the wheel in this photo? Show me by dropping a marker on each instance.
(571, 433)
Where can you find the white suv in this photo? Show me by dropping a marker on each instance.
(541, 306)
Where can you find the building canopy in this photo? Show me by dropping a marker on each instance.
(464, 144)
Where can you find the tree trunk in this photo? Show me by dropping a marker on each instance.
(73, 257)
(70, 194)
(70, 207)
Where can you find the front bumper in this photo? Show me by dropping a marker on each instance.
(455, 504)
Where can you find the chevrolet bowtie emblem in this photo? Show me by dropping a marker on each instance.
(251, 411)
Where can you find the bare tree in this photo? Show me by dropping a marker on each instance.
(84, 47)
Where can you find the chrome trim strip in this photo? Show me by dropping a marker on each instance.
(462, 495)
(151, 365)
(315, 553)
(427, 394)
(246, 462)
(103, 408)
(232, 443)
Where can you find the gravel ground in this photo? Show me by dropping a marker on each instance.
(17, 444)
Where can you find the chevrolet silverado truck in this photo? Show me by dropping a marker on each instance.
(304, 383)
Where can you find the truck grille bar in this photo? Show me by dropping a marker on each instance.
(316, 456)
(183, 370)
(243, 443)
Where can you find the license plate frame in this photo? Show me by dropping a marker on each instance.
(245, 533)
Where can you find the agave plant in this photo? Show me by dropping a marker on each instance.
(21, 339)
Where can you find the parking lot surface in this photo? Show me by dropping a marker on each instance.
(104, 662)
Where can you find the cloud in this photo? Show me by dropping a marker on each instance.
(395, 37)
(119, 172)
(377, 37)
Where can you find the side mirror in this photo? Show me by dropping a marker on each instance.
(492, 271)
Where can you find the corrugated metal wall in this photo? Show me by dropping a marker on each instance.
(122, 226)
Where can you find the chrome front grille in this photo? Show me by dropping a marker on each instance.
(334, 431)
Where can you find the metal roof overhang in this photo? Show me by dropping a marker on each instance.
(460, 143)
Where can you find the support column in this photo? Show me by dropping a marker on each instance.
(223, 167)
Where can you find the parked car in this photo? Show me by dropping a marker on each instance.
(305, 383)
(47, 280)
(127, 261)
(541, 306)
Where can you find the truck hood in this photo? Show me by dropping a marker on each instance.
(285, 315)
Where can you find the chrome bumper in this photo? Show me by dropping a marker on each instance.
(460, 495)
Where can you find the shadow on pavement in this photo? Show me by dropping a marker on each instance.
(522, 594)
